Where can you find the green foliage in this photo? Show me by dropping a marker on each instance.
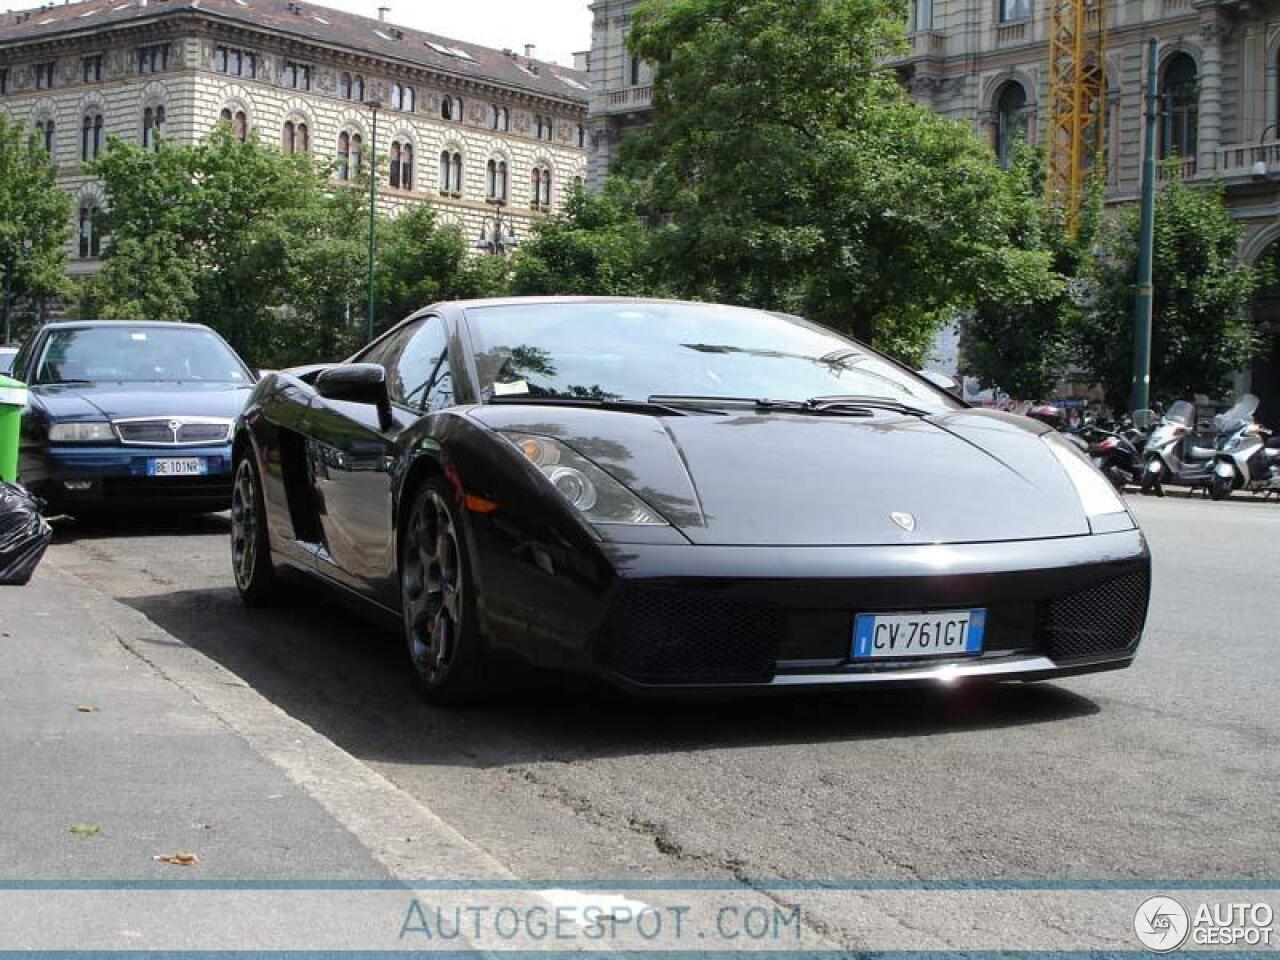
(800, 176)
(1017, 337)
(1200, 328)
(266, 249)
(34, 211)
(597, 247)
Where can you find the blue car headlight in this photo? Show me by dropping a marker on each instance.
(82, 431)
(592, 492)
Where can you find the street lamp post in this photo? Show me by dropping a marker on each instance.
(374, 105)
(502, 243)
(1141, 399)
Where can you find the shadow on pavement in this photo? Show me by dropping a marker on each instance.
(350, 680)
(137, 523)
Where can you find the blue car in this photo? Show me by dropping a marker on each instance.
(126, 413)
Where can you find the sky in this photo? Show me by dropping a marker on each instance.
(558, 27)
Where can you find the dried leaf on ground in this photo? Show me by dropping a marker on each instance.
(177, 859)
(86, 830)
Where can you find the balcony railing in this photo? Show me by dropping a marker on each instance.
(928, 43)
(1015, 32)
(631, 97)
(1238, 159)
(1183, 168)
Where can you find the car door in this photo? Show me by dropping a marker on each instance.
(352, 456)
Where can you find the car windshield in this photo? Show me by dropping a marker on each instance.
(632, 351)
(138, 354)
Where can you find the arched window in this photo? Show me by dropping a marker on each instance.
(152, 127)
(296, 138)
(45, 133)
(90, 240)
(1180, 107)
(238, 121)
(343, 170)
(1011, 121)
(402, 165)
(540, 188)
(451, 173)
(499, 118)
(582, 137)
(496, 181)
(357, 88)
(344, 86)
(403, 98)
(91, 136)
(451, 109)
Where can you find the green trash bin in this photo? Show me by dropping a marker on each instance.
(13, 398)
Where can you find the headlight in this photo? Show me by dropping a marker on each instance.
(591, 491)
(1102, 505)
(88, 431)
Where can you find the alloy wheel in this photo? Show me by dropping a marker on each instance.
(244, 526)
(432, 587)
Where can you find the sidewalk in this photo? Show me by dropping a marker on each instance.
(105, 763)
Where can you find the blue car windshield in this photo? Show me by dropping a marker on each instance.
(634, 350)
(138, 354)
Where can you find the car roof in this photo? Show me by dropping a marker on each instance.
(546, 301)
(91, 324)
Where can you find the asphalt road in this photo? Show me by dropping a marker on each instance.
(1168, 771)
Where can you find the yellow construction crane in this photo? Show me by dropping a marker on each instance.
(1077, 102)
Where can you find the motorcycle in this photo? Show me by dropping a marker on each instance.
(1180, 451)
(1116, 448)
(1249, 458)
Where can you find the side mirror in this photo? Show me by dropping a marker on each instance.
(358, 383)
(943, 382)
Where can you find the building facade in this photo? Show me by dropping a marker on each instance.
(621, 85)
(481, 134)
(987, 62)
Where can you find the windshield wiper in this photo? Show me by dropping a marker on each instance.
(820, 406)
(650, 407)
(866, 403)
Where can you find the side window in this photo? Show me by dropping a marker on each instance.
(409, 375)
(440, 391)
(23, 358)
(387, 351)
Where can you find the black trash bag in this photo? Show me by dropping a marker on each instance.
(24, 535)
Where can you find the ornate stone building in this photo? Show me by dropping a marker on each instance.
(472, 130)
(986, 61)
(621, 84)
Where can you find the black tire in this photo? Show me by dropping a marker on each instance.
(255, 574)
(437, 597)
(1221, 488)
(1149, 480)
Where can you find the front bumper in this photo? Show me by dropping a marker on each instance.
(751, 618)
(74, 475)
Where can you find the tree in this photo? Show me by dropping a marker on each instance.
(1017, 337)
(799, 175)
(1200, 328)
(255, 243)
(596, 247)
(34, 218)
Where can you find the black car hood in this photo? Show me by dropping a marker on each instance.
(122, 401)
(781, 479)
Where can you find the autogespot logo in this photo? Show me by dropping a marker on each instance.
(1162, 924)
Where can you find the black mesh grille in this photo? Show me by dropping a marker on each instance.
(1104, 619)
(152, 431)
(665, 635)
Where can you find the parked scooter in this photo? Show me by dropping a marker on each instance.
(1179, 452)
(1249, 458)
(1115, 454)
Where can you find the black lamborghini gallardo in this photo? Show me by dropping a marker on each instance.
(681, 496)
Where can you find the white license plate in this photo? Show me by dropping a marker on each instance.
(885, 636)
(191, 467)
